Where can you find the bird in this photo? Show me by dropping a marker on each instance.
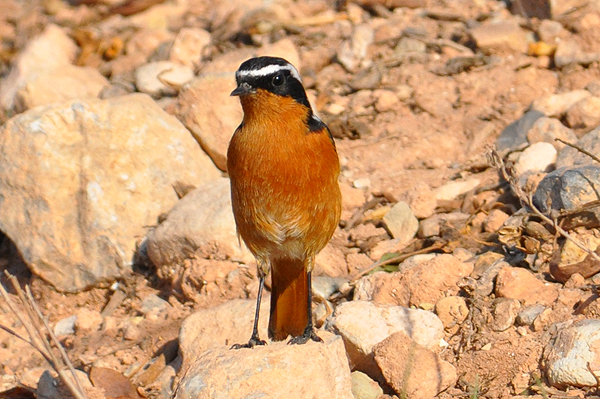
(283, 168)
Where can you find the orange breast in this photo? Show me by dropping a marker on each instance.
(284, 179)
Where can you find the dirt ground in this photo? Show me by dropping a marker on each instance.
(434, 132)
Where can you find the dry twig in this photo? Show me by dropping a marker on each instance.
(527, 199)
(37, 336)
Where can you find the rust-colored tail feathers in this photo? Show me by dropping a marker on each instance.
(289, 298)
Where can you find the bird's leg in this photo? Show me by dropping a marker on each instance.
(254, 339)
(309, 331)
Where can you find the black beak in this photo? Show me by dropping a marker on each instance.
(242, 89)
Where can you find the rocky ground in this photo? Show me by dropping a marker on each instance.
(457, 271)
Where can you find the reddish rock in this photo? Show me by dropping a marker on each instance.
(521, 284)
(413, 371)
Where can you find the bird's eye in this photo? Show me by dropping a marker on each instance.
(278, 80)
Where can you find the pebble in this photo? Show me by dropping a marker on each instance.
(538, 157)
(401, 222)
(162, 78)
(494, 220)
(570, 156)
(188, 47)
(412, 370)
(571, 352)
(584, 114)
(521, 284)
(501, 36)
(453, 189)
(50, 387)
(153, 302)
(363, 387)
(278, 370)
(549, 31)
(452, 311)
(363, 324)
(569, 52)
(529, 313)
(547, 129)
(65, 326)
(568, 188)
(515, 134)
(363, 183)
(505, 313)
(88, 321)
(352, 53)
(555, 105)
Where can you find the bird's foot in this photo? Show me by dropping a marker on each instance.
(308, 334)
(254, 341)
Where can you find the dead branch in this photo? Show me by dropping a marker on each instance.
(527, 199)
(33, 323)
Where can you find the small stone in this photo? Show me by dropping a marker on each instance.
(50, 387)
(401, 222)
(529, 313)
(452, 311)
(316, 370)
(569, 52)
(549, 31)
(594, 88)
(584, 114)
(515, 134)
(521, 284)
(451, 190)
(556, 105)
(571, 353)
(88, 321)
(548, 130)
(352, 197)
(162, 78)
(189, 46)
(352, 54)
(363, 387)
(363, 324)
(386, 100)
(535, 158)
(503, 36)
(331, 261)
(131, 332)
(494, 220)
(567, 188)
(569, 156)
(65, 326)
(362, 183)
(412, 370)
(153, 302)
(505, 313)
(430, 227)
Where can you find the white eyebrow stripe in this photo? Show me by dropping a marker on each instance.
(268, 70)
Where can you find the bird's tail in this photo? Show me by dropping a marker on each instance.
(289, 298)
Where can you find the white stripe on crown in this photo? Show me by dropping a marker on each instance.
(268, 70)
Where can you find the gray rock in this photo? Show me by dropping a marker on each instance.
(569, 354)
(528, 314)
(162, 77)
(505, 313)
(548, 130)
(568, 188)
(570, 156)
(152, 302)
(65, 326)
(515, 134)
(568, 52)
